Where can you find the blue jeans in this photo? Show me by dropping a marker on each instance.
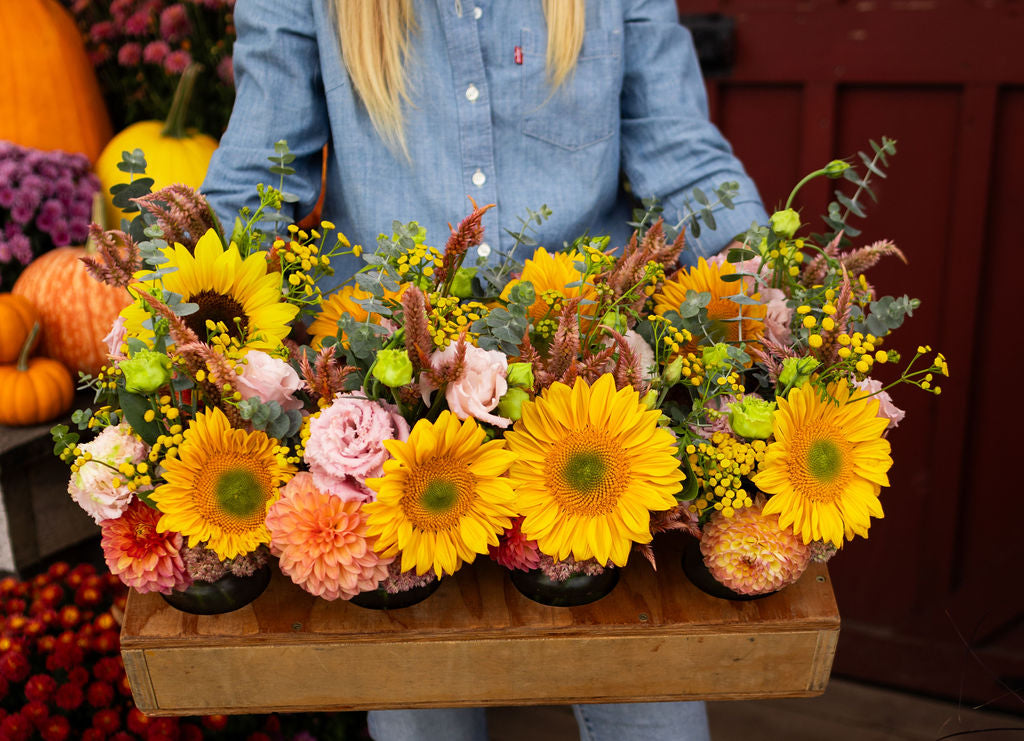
(640, 721)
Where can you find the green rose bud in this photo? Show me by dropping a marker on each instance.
(836, 168)
(615, 320)
(462, 283)
(674, 371)
(752, 417)
(146, 371)
(520, 375)
(650, 399)
(714, 356)
(785, 223)
(393, 368)
(511, 404)
(796, 371)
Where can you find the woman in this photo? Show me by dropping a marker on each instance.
(519, 104)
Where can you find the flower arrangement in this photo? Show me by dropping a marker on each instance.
(140, 49)
(61, 674)
(46, 200)
(555, 415)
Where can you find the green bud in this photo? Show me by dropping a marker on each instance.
(752, 418)
(714, 356)
(796, 371)
(520, 375)
(146, 371)
(615, 320)
(462, 283)
(836, 168)
(511, 404)
(674, 371)
(393, 368)
(785, 223)
(650, 399)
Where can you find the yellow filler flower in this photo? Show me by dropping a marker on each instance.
(443, 497)
(827, 465)
(240, 293)
(218, 489)
(591, 464)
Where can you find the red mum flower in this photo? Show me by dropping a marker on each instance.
(88, 596)
(79, 675)
(190, 732)
(70, 616)
(56, 728)
(39, 581)
(64, 656)
(100, 694)
(7, 585)
(16, 606)
(40, 687)
(163, 728)
(37, 712)
(69, 696)
(105, 622)
(16, 727)
(93, 734)
(58, 570)
(138, 722)
(108, 721)
(14, 666)
(106, 642)
(123, 686)
(122, 736)
(215, 722)
(3, 692)
(108, 669)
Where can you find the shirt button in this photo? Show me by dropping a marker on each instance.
(479, 178)
(472, 93)
(477, 12)
(483, 249)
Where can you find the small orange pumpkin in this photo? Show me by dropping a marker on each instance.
(17, 315)
(75, 310)
(34, 391)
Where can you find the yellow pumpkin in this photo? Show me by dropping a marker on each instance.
(174, 154)
(34, 391)
(17, 315)
(49, 96)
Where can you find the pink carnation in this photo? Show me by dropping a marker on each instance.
(346, 444)
(269, 379)
(322, 543)
(515, 550)
(480, 387)
(140, 556)
(92, 486)
(886, 409)
(778, 314)
(115, 338)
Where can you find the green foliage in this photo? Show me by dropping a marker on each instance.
(64, 441)
(887, 314)
(270, 417)
(844, 206)
(134, 407)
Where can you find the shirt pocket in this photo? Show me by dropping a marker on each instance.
(585, 108)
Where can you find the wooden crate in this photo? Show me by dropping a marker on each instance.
(478, 642)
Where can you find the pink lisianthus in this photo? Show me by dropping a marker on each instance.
(778, 315)
(322, 543)
(97, 486)
(515, 550)
(141, 557)
(478, 389)
(886, 409)
(269, 379)
(346, 444)
(114, 339)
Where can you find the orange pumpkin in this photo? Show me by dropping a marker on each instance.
(76, 311)
(49, 97)
(17, 316)
(34, 391)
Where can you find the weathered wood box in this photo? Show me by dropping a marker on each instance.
(478, 642)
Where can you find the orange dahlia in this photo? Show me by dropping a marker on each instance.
(322, 543)
(140, 556)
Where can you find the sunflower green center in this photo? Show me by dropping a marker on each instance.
(438, 493)
(584, 471)
(824, 460)
(587, 472)
(217, 307)
(238, 493)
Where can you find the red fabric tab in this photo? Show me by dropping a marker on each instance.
(519, 55)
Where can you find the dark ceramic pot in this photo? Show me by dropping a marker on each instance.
(380, 599)
(578, 589)
(227, 594)
(700, 576)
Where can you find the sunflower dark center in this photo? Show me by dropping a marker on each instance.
(238, 493)
(825, 460)
(217, 307)
(584, 471)
(439, 496)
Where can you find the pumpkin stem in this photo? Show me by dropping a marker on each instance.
(29, 341)
(174, 126)
(99, 218)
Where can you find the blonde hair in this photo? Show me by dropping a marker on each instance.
(375, 43)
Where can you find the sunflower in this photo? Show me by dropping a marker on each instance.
(722, 312)
(443, 497)
(240, 293)
(591, 464)
(218, 489)
(827, 465)
(550, 273)
(345, 301)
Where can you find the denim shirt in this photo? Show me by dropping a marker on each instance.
(482, 123)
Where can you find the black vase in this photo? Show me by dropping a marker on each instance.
(227, 594)
(700, 576)
(578, 589)
(381, 599)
